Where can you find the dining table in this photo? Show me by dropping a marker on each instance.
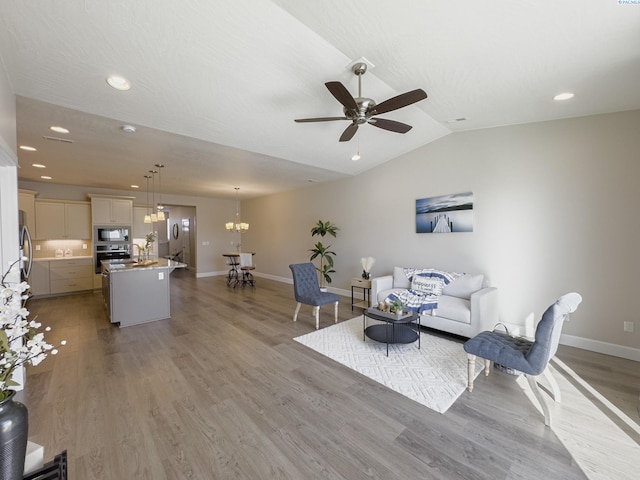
(233, 260)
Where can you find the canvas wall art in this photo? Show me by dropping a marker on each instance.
(445, 214)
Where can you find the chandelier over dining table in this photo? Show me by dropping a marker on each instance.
(237, 225)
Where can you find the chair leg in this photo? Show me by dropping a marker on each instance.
(295, 315)
(487, 367)
(536, 391)
(316, 312)
(471, 371)
(335, 312)
(555, 388)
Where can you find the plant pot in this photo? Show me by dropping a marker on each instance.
(14, 431)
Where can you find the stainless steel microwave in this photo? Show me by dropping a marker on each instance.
(112, 234)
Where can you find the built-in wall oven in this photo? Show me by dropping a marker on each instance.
(111, 243)
(113, 251)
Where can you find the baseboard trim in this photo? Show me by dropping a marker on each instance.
(210, 274)
(601, 347)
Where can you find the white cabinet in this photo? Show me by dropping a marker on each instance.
(70, 275)
(39, 278)
(27, 203)
(111, 210)
(57, 220)
(78, 220)
(140, 229)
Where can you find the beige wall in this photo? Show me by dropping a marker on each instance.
(554, 211)
(555, 207)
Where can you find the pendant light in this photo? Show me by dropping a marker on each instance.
(160, 206)
(237, 225)
(147, 217)
(154, 215)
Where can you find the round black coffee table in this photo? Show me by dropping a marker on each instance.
(396, 329)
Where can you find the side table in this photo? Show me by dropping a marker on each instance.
(365, 285)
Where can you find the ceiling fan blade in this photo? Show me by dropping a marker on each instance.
(390, 125)
(340, 92)
(402, 100)
(349, 132)
(321, 119)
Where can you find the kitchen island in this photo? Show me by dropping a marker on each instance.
(136, 293)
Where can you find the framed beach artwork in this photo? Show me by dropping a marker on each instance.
(445, 214)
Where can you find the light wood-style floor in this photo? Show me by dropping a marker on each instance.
(221, 391)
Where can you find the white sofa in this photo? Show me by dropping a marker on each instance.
(466, 307)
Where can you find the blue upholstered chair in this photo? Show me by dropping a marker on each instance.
(526, 356)
(307, 290)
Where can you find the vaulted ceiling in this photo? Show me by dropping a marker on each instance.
(216, 85)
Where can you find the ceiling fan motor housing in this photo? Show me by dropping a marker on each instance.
(366, 106)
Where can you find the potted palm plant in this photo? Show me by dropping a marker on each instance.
(322, 252)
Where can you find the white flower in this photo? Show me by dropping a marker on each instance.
(367, 263)
(20, 343)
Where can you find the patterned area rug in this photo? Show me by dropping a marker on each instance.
(434, 375)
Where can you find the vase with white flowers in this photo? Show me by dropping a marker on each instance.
(21, 343)
(144, 251)
(367, 265)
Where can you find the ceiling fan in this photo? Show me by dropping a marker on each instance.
(361, 110)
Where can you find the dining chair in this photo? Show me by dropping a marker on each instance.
(521, 355)
(307, 290)
(246, 266)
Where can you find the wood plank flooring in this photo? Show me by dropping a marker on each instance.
(221, 391)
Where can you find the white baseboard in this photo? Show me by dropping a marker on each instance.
(601, 347)
(338, 291)
(210, 274)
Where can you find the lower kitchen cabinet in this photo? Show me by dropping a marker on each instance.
(63, 276)
(39, 278)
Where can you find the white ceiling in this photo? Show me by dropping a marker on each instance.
(217, 84)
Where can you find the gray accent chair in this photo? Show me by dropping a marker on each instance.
(528, 357)
(307, 290)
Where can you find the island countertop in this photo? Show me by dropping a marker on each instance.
(117, 266)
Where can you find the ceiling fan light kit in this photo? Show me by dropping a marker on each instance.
(361, 110)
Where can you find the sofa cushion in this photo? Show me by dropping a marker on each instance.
(400, 279)
(454, 308)
(427, 285)
(464, 286)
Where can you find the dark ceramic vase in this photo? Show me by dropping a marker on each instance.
(14, 430)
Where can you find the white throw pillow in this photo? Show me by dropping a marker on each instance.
(400, 279)
(427, 285)
(464, 286)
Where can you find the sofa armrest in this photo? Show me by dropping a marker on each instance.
(377, 285)
(484, 309)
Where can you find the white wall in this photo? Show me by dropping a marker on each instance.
(554, 211)
(8, 176)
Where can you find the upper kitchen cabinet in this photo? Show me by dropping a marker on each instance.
(140, 229)
(56, 220)
(27, 203)
(111, 210)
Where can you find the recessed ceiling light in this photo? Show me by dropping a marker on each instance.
(55, 128)
(38, 165)
(45, 177)
(135, 186)
(128, 128)
(118, 82)
(564, 96)
(27, 148)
